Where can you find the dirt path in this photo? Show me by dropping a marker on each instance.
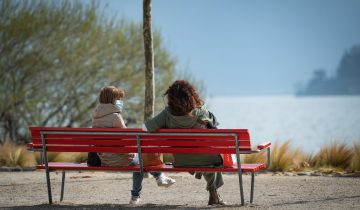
(100, 190)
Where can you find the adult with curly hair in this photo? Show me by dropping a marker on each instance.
(185, 109)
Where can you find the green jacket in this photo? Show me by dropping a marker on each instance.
(166, 120)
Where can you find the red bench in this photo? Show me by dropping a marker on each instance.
(130, 140)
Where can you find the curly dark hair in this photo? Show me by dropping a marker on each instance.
(182, 98)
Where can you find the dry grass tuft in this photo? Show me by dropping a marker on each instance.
(76, 157)
(254, 158)
(51, 156)
(281, 157)
(300, 161)
(335, 155)
(355, 162)
(16, 155)
(312, 159)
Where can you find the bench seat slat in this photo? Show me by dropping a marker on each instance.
(53, 166)
(173, 150)
(244, 167)
(176, 143)
(133, 137)
(190, 150)
(72, 148)
(99, 142)
(104, 142)
(116, 136)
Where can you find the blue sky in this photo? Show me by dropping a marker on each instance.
(252, 47)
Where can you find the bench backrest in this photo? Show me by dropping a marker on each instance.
(196, 141)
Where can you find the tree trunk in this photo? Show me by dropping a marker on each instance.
(149, 61)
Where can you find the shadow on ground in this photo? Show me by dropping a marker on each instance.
(114, 206)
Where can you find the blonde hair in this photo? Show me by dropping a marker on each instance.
(109, 94)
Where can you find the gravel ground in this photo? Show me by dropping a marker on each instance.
(104, 190)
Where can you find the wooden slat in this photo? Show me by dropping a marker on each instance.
(244, 168)
(98, 142)
(186, 143)
(146, 140)
(173, 150)
(71, 148)
(189, 150)
(83, 166)
(142, 137)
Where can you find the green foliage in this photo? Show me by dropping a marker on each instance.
(56, 55)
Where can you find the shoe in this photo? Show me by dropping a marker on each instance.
(135, 200)
(164, 181)
(198, 175)
(215, 199)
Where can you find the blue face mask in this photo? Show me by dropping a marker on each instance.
(119, 104)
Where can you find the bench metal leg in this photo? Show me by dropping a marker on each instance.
(45, 160)
(62, 186)
(48, 184)
(241, 190)
(252, 187)
(238, 162)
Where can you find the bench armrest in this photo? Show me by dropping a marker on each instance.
(264, 145)
(34, 147)
(261, 147)
(30, 146)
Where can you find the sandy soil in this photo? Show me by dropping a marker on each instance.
(103, 190)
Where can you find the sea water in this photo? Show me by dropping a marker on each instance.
(308, 122)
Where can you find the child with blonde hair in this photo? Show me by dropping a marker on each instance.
(108, 114)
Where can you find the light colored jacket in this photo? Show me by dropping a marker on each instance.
(109, 116)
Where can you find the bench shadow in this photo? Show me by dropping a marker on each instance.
(318, 200)
(115, 206)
